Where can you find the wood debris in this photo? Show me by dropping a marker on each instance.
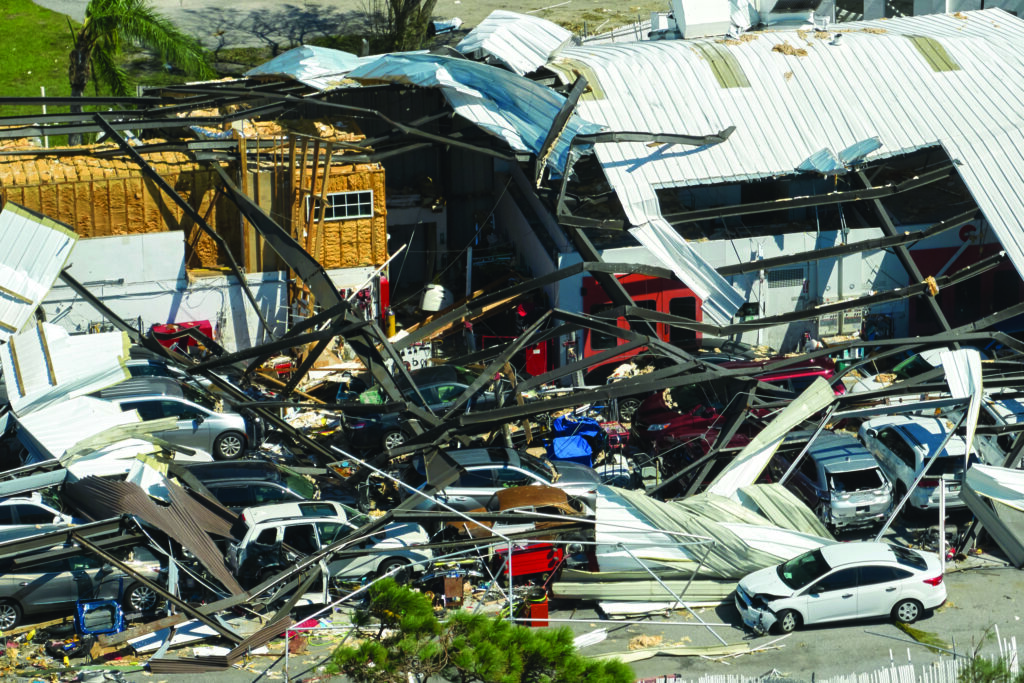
(787, 49)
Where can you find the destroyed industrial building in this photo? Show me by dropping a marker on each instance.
(532, 313)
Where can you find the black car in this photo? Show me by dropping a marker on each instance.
(238, 485)
(440, 387)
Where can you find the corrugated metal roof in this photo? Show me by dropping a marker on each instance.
(521, 42)
(318, 67)
(504, 104)
(45, 364)
(35, 250)
(963, 88)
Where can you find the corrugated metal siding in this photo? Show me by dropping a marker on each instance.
(35, 249)
(521, 42)
(60, 426)
(45, 364)
(318, 67)
(183, 521)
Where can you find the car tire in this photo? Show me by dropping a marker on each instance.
(139, 597)
(907, 611)
(628, 408)
(10, 615)
(392, 439)
(787, 621)
(229, 446)
(400, 576)
(824, 514)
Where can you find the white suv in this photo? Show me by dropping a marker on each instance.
(274, 536)
(901, 444)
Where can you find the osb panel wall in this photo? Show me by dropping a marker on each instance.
(105, 197)
(349, 243)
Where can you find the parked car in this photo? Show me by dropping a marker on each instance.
(840, 480)
(840, 582)
(997, 410)
(30, 511)
(485, 471)
(55, 586)
(273, 536)
(239, 485)
(224, 435)
(440, 386)
(902, 443)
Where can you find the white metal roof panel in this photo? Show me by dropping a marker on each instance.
(58, 427)
(321, 68)
(878, 81)
(522, 42)
(45, 364)
(35, 249)
(503, 103)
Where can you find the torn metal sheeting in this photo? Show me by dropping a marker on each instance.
(996, 497)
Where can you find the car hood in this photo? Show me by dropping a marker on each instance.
(575, 475)
(766, 582)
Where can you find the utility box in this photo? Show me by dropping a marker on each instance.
(700, 18)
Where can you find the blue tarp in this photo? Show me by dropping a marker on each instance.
(574, 448)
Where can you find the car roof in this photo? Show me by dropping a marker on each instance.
(216, 471)
(857, 552)
(923, 431)
(287, 512)
(841, 453)
(477, 457)
(140, 387)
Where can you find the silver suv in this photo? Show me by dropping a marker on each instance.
(224, 435)
(274, 536)
(901, 444)
(841, 481)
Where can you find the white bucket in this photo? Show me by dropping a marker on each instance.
(435, 297)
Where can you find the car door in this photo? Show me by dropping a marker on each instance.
(832, 597)
(346, 567)
(95, 579)
(40, 587)
(879, 588)
(475, 488)
(195, 429)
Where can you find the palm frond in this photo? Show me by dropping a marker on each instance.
(106, 69)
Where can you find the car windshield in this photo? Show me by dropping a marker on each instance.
(803, 569)
(908, 557)
(858, 480)
(911, 367)
(299, 484)
(947, 464)
(544, 469)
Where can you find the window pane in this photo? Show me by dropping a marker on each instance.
(600, 340)
(684, 307)
(31, 514)
(232, 496)
(331, 532)
(301, 537)
(842, 579)
(874, 574)
(343, 205)
(6, 514)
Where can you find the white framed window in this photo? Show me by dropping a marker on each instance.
(343, 206)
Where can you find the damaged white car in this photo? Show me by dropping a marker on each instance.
(840, 582)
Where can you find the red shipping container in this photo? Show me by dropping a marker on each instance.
(532, 559)
(204, 326)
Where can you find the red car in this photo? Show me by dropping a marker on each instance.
(688, 414)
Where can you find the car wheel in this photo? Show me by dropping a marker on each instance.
(825, 514)
(392, 439)
(906, 611)
(402, 573)
(787, 621)
(628, 408)
(229, 446)
(139, 598)
(10, 615)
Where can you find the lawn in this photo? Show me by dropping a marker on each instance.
(34, 47)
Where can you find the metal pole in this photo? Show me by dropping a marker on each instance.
(679, 600)
(807, 446)
(942, 527)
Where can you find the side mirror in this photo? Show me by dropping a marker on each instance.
(872, 433)
(816, 589)
(106, 568)
(199, 418)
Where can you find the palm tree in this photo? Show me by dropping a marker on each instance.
(110, 24)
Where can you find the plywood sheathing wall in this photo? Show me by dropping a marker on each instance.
(103, 197)
(351, 243)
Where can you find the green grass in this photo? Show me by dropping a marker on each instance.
(34, 47)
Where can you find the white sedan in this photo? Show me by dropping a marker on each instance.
(840, 582)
